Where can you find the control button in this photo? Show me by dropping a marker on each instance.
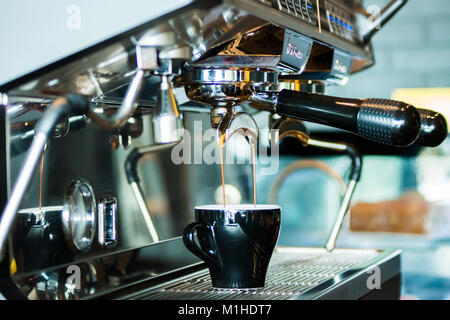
(107, 226)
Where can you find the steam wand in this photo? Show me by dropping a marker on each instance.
(131, 172)
(296, 129)
(167, 132)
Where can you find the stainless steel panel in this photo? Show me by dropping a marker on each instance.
(294, 273)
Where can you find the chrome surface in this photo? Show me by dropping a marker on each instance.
(345, 206)
(287, 127)
(79, 216)
(9, 213)
(3, 99)
(305, 86)
(228, 76)
(224, 88)
(266, 47)
(199, 30)
(105, 274)
(138, 193)
(294, 273)
(127, 107)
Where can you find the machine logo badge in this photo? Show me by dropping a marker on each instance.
(293, 51)
(339, 66)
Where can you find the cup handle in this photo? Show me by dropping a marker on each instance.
(189, 242)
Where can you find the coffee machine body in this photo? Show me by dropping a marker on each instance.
(114, 186)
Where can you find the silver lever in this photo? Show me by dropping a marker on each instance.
(127, 107)
(131, 172)
(150, 50)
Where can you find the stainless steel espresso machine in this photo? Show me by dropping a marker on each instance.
(100, 167)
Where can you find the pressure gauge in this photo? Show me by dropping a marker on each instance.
(79, 216)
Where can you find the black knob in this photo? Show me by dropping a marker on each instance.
(433, 128)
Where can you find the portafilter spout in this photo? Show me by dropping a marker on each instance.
(240, 123)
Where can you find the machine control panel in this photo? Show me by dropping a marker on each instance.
(334, 18)
(302, 9)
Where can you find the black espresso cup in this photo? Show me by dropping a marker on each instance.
(236, 242)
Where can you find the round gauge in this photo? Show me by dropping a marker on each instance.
(79, 222)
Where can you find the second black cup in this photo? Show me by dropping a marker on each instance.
(236, 242)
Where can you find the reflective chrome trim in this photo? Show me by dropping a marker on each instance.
(139, 194)
(71, 222)
(107, 222)
(127, 107)
(22, 181)
(227, 76)
(294, 274)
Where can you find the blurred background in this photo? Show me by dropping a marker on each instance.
(401, 201)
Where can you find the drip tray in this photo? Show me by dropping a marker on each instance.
(296, 273)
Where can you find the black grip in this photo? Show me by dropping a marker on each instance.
(131, 171)
(61, 107)
(388, 122)
(433, 129)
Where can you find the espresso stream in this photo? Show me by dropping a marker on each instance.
(221, 144)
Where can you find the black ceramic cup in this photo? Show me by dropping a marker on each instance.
(236, 242)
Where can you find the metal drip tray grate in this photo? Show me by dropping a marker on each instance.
(292, 272)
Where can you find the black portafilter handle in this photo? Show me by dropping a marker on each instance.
(389, 122)
(433, 128)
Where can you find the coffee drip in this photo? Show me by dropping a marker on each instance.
(251, 137)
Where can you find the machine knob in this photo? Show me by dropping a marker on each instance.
(433, 128)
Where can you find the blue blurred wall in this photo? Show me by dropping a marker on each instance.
(411, 51)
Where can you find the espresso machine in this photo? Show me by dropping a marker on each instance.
(100, 162)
